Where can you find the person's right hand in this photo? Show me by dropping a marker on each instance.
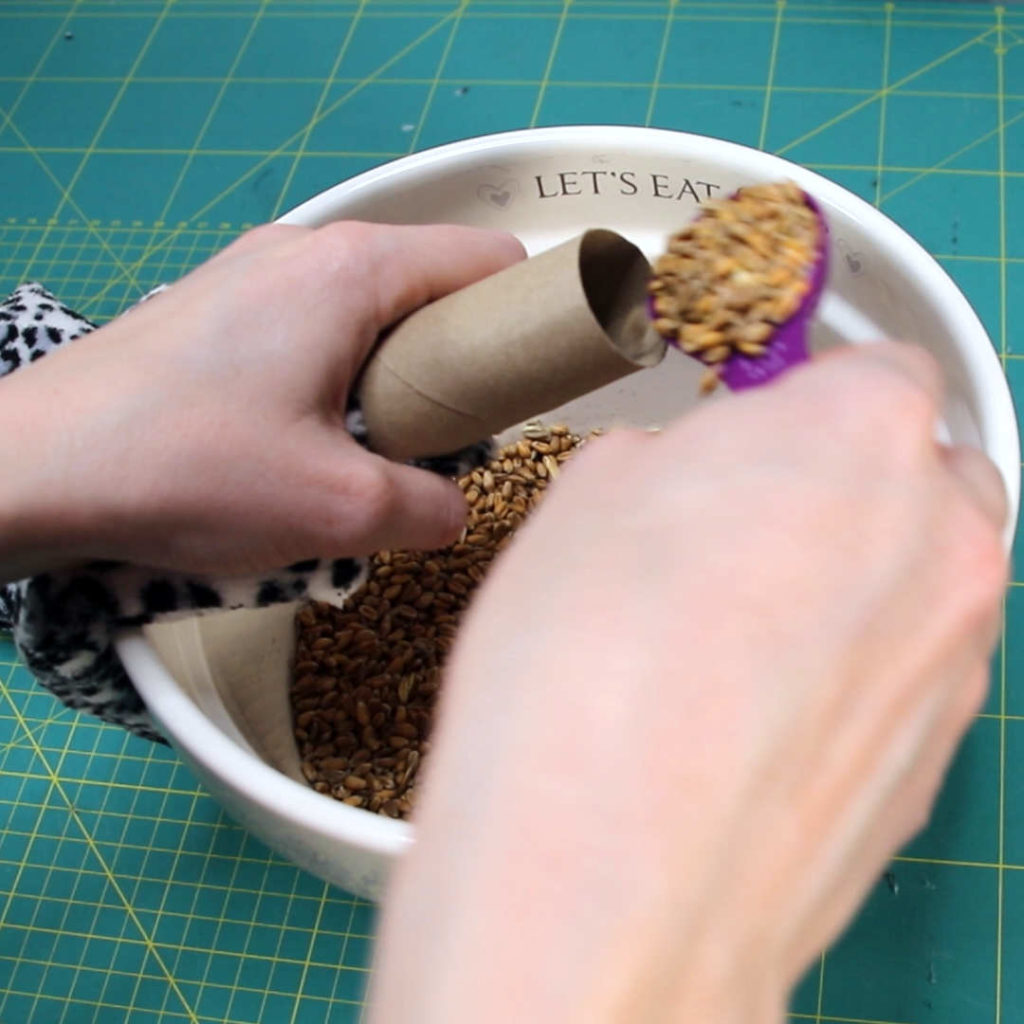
(706, 694)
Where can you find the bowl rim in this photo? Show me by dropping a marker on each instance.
(282, 797)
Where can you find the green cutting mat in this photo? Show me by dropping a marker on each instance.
(137, 137)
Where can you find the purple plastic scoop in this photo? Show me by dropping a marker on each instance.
(788, 345)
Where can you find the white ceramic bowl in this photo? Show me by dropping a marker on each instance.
(545, 185)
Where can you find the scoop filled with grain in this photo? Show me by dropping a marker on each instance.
(738, 285)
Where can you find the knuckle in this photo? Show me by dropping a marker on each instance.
(342, 240)
(975, 570)
(344, 249)
(911, 416)
(900, 398)
(980, 561)
(372, 495)
(879, 381)
(265, 234)
(914, 362)
(888, 406)
(273, 232)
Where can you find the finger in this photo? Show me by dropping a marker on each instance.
(911, 362)
(399, 268)
(422, 263)
(423, 510)
(980, 479)
(260, 239)
(376, 504)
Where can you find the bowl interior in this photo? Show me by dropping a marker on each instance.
(546, 186)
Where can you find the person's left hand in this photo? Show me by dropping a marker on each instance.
(204, 430)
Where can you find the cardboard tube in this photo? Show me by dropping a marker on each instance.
(510, 347)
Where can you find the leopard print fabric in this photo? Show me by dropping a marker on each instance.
(64, 622)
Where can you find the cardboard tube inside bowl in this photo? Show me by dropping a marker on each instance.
(512, 346)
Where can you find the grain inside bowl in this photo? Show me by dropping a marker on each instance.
(366, 676)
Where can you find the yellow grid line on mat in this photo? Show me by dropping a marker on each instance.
(348, 936)
(773, 58)
(571, 83)
(41, 224)
(339, 933)
(300, 150)
(666, 34)
(183, 151)
(215, 944)
(1003, 340)
(65, 194)
(33, 925)
(313, 933)
(227, 859)
(34, 833)
(821, 988)
(107, 783)
(867, 101)
(435, 81)
(883, 103)
(860, 8)
(94, 224)
(765, 16)
(33, 76)
(329, 109)
(207, 1018)
(7, 120)
(117, 846)
(64, 714)
(552, 55)
(817, 1018)
(102, 127)
(143, 976)
(167, 271)
(999, 130)
(23, 739)
(193, 150)
(97, 736)
(73, 815)
(336, 898)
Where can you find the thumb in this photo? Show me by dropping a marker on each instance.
(422, 510)
(403, 267)
(422, 262)
(378, 504)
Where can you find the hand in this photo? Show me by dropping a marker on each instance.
(203, 430)
(706, 694)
